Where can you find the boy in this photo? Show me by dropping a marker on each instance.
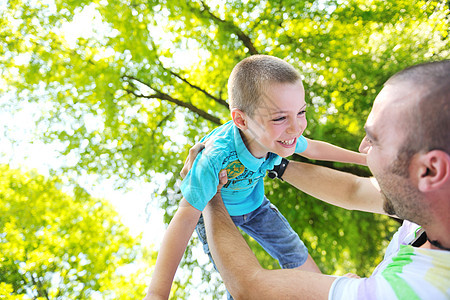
(267, 103)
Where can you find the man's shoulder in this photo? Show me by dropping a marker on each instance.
(404, 275)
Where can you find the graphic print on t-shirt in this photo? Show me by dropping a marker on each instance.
(239, 177)
(234, 169)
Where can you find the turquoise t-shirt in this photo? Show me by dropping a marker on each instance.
(244, 191)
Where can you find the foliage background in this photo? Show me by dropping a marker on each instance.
(59, 246)
(127, 99)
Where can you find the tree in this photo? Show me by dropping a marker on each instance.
(56, 246)
(128, 98)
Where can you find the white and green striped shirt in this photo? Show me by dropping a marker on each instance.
(406, 272)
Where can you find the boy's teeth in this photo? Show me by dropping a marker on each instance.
(287, 142)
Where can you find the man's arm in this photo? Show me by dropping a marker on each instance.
(172, 249)
(335, 187)
(241, 271)
(325, 151)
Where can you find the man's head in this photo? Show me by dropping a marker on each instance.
(267, 102)
(408, 140)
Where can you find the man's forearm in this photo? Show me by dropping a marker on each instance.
(241, 271)
(228, 248)
(335, 187)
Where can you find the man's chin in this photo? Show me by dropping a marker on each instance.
(388, 207)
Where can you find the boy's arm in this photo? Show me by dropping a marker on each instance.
(325, 151)
(172, 249)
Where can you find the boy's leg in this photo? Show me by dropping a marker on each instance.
(201, 233)
(273, 232)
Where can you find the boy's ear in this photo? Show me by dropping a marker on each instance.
(434, 171)
(239, 118)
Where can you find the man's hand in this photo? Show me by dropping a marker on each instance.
(193, 152)
(216, 203)
(223, 178)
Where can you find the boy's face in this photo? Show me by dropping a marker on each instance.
(278, 122)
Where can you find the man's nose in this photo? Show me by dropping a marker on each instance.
(364, 146)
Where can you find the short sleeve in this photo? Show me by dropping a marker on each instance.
(302, 144)
(200, 184)
(344, 288)
(379, 287)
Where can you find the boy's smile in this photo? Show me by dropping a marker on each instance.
(288, 143)
(278, 122)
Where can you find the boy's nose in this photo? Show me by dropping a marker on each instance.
(295, 127)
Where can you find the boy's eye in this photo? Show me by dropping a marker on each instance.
(279, 119)
(302, 112)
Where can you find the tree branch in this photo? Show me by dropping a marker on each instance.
(218, 100)
(162, 96)
(245, 39)
(161, 123)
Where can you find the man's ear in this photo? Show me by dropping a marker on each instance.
(239, 118)
(434, 170)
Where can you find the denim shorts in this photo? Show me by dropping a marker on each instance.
(271, 230)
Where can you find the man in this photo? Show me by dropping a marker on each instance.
(408, 151)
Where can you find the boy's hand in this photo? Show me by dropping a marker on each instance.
(193, 152)
(153, 297)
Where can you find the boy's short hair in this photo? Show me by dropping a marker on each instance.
(251, 77)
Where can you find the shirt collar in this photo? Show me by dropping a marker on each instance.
(245, 157)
